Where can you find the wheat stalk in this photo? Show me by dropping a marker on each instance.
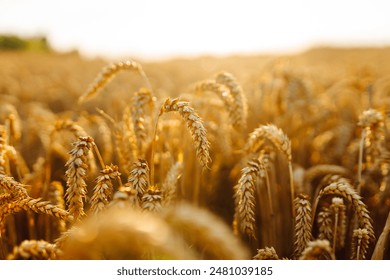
(381, 245)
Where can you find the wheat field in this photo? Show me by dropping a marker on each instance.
(257, 157)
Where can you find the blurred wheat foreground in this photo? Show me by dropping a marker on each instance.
(232, 158)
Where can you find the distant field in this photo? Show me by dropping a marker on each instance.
(265, 157)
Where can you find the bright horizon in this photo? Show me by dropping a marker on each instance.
(152, 29)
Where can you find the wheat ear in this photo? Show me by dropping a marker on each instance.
(141, 98)
(206, 232)
(151, 199)
(169, 185)
(4, 163)
(56, 196)
(324, 222)
(345, 190)
(222, 92)
(338, 209)
(318, 250)
(303, 222)
(11, 186)
(127, 234)
(268, 253)
(360, 243)
(108, 73)
(36, 205)
(240, 107)
(76, 174)
(281, 141)
(125, 197)
(194, 124)
(372, 138)
(244, 198)
(34, 250)
(126, 146)
(103, 190)
(316, 172)
(138, 178)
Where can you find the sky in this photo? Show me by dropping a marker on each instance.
(158, 29)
